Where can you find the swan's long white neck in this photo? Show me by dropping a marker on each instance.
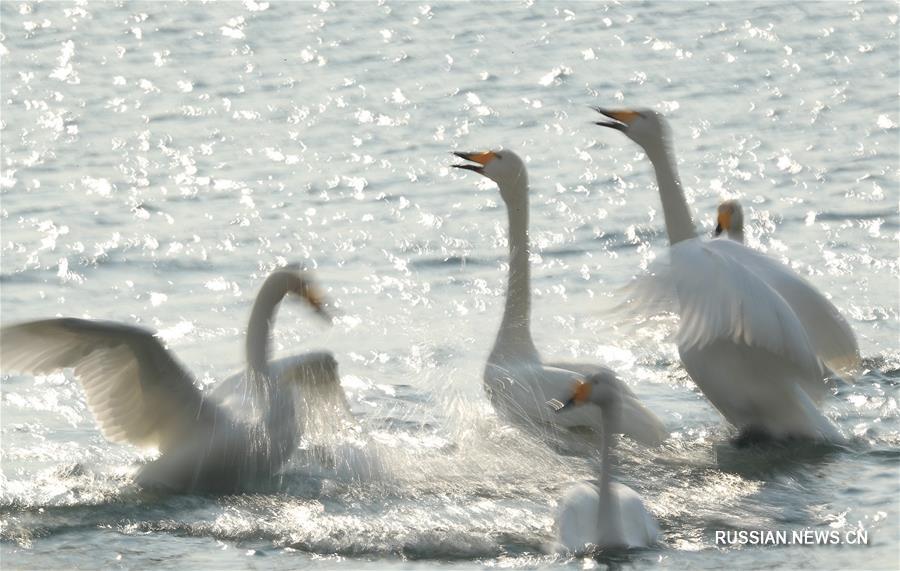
(514, 337)
(610, 518)
(259, 328)
(606, 443)
(679, 225)
(278, 407)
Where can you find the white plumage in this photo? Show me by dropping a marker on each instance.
(753, 335)
(831, 336)
(141, 395)
(587, 518)
(517, 381)
(602, 514)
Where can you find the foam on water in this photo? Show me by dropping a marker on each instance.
(159, 160)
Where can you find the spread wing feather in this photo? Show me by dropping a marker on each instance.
(136, 390)
(828, 331)
(718, 296)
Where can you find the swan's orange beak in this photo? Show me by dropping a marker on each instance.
(620, 120)
(723, 223)
(480, 158)
(580, 395)
(582, 392)
(318, 301)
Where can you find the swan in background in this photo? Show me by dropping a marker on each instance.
(140, 394)
(730, 219)
(517, 382)
(830, 334)
(606, 514)
(742, 342)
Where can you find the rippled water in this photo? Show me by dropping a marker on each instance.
(160, 158)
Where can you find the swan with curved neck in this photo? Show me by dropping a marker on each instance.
(140, 394)
(516, 380)
(753, 335)
(606, 514)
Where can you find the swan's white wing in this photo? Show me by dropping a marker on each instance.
(316, 374)
(636, 421)
(717, 297)
(828, 331)
(135, 389)
(522, 392)
(313, 374)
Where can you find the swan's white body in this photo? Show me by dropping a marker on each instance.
(604, 514)
(587, 517)
(751, 330)
(516, 380)
(140, 394)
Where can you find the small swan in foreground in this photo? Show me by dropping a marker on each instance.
(606, 514)
(516, 380)
(140, 394)
(741, 341)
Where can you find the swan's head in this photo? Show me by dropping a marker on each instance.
(645, 127)
(298, 283)
(730, 219)
(503, 167)
(593, 389)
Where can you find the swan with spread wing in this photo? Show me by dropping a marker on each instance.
(831, 336)
(754, 336)
(140, 394)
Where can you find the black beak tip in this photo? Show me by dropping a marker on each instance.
(613, 124)
(718, 229)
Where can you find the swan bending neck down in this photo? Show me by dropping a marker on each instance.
(606, 514)
(754, 336)
(140, 394)
(516, 380)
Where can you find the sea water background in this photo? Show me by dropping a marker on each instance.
(159, 158)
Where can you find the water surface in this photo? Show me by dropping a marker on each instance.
(159, 159)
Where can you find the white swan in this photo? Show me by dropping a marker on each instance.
(140, 394)
(516, 380)
(831, 336)
(606, 514)
(743, 332)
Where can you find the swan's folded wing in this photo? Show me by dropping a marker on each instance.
(315, 375)
(717, 297)
(828, 331)
(135, 389)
